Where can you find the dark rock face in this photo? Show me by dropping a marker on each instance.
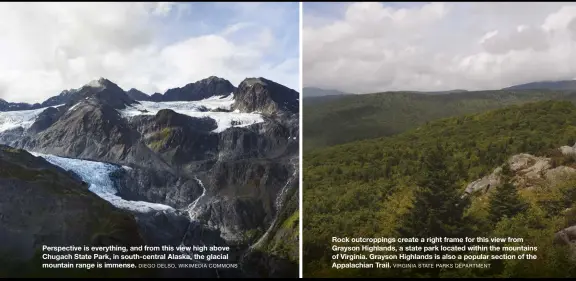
(160, 186)
(177, 138)
(44, 205)
(137, 95)
(271, 139)
(91, 131)
(163, 228)
(45, 120)
(276, 252)
(156, 97)
(11, 136)
(104, 92)
(268, 97)
(62, 98)
(103, 89)
(8, 106)
(209, 87)
(169, 118)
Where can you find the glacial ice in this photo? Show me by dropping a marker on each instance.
(198, 109)
(97, 175)
(22, 118)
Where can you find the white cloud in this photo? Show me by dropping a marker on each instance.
(522, 38)
(488, 36)
(235, 28)
(163, 8)
(48, 47)
(439, 46)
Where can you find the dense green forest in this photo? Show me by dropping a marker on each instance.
(410, 185)
(335, 120)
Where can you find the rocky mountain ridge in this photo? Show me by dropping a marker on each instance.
(267, 95)
(218, 158)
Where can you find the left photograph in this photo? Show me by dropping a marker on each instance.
(149, 139)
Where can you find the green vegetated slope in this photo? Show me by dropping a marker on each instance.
(410, 185)
(358, 117)
(278, 254)
(41, 204)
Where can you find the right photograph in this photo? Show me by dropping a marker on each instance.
(439, 139)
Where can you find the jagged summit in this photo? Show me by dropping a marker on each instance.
(212, 78)
(97, 83)
(101, 89)
(254, 94)
(265, 96)
(136, 94)
(205, 88)
(101, 83)
(253, 80)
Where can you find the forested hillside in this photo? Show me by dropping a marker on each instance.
(357, 117)
(411, 184)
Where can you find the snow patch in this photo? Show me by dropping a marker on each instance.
(73, 107)
(217, 102)
(21, 118)
(198, 109)
(97, 175)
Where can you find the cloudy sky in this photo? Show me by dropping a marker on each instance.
(48, 47)
(369, 47)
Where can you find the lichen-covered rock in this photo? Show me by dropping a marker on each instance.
(485, 183)
(568, 150)
(528, 171)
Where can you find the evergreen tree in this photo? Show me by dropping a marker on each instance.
(438, 207)
(505, 201)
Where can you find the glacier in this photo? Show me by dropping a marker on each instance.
(22, 118)
(198, 109)
(97, 175)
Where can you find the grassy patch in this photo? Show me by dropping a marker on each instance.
(159, 139)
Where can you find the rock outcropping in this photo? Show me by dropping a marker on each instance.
(528, 170)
